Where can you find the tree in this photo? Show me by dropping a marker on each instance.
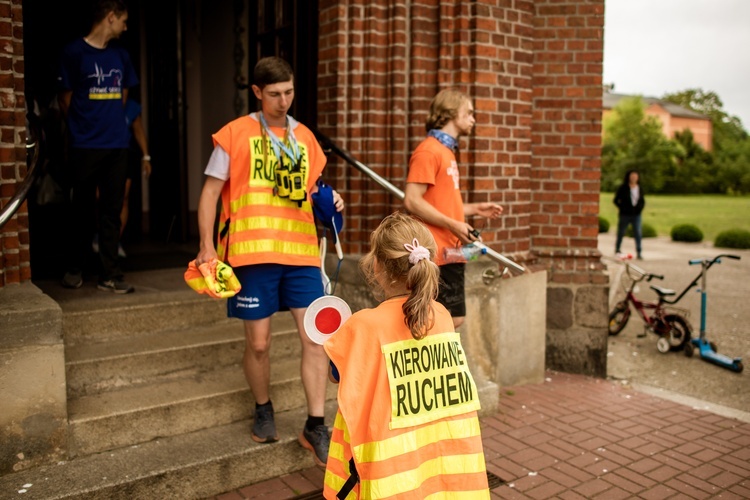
(730, 170)
(694, 170)
(633, 140)
(726, 127)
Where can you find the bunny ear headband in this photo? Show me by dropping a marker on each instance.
(416, 252)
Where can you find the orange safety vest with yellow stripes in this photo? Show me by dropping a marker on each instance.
(407, 410)
(256, 226)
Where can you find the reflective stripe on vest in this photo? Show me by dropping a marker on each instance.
(411, 441)
(463, 432)
(271, 226)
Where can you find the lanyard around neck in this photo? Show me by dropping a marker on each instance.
(291, 151)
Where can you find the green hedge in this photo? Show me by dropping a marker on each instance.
(603, 225)
(686, 232)
(647, 231)
(733, 238)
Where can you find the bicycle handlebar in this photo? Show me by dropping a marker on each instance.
(644, 275)
(715, 260)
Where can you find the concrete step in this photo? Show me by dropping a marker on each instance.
(190, 466)
(98, 367)
(149, 314)
(129, 416)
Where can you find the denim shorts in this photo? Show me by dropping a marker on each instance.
(268, 288)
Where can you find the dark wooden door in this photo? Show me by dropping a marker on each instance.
(289, 29)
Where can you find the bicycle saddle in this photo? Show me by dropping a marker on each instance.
(662, 292)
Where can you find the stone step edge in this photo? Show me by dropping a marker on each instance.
(191, 465)
(85, 327)
(163, 341)
(222, 381)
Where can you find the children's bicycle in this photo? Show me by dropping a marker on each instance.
(708, 349)
(667, 322)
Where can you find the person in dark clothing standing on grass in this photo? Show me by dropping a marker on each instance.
(630, 201)
(93, 86)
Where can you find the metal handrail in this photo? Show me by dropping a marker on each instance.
(32, 158)
(327, 143)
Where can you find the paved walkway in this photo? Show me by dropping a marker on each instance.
(576, 437)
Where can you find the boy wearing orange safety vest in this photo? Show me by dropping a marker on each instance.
(407, 422)
(264, 168)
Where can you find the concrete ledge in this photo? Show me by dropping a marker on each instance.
(33, 420)
(28, 317)
(504, 332)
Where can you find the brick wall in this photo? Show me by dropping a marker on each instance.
(566, 138)
(382, 62)
(534, 70)
(14, 236)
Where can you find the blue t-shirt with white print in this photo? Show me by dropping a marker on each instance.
(97, 77)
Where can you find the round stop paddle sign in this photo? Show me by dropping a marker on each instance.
(324, 317)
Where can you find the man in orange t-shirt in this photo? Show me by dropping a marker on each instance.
(433, 192)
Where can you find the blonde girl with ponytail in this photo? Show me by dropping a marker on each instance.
(406, 425)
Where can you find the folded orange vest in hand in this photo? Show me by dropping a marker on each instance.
(213, 278)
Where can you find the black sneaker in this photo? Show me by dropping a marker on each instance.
(116, 286)
(72, 280)
(317, 441)
(264, 428)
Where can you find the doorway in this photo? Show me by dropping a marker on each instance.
(188, 55)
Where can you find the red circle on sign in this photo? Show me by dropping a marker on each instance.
(328, 320)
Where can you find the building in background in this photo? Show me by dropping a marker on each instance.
(673, 117)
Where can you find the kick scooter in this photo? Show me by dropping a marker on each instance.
(706, 349)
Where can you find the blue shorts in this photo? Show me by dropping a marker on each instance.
(268, 288)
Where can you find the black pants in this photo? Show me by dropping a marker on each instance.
(105, 170)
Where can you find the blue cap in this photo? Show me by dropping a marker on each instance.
(324, 208)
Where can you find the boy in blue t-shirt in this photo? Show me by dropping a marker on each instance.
(93, 81)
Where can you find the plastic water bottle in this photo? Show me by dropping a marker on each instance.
(462, 254)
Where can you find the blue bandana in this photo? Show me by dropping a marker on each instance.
(445, 139)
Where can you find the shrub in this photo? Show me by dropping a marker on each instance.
(733, 238)
(647, 231)
(603, 225)
(686, 232)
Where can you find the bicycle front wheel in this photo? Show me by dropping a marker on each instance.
(619, 317)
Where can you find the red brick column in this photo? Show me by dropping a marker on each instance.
(566, 138)
(381, 63)
(565, 176)
(14, 236)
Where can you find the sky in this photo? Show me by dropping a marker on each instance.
(652, 47)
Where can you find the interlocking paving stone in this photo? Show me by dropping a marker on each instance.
(576, 437)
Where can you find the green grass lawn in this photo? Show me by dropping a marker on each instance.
(712, 214)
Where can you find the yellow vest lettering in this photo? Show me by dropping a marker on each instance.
(428, 379)
(395, 365)
(439, 385)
